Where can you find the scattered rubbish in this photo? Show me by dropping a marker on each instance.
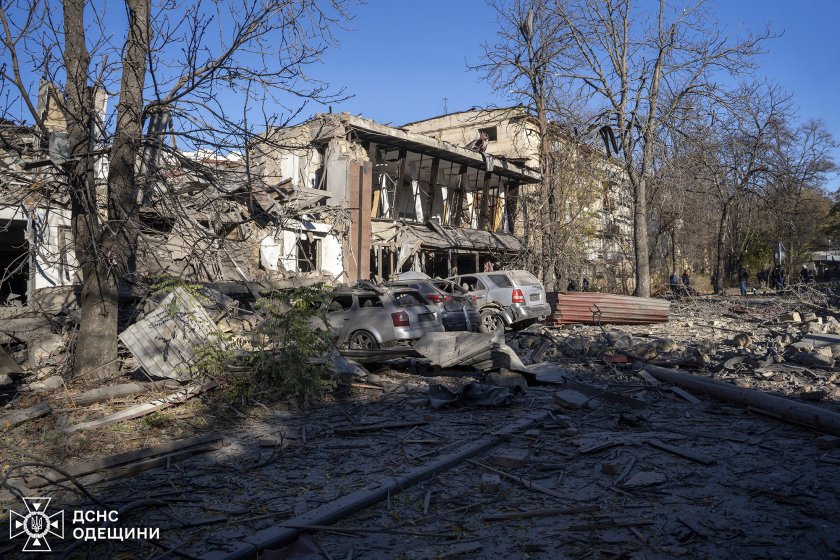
(471, 394)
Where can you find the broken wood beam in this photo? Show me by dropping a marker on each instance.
(540, 513)
(151, 463)
(121, 390)
(12, 419)
(785, 409)
(146, 408)
(88, 467)
(526, 482)
(682, 452)
(275, 537)
(349, 430)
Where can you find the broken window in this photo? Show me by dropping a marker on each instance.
(14, 262)
(370, 301)
(340, 303)
(308, 255)
(490, 132)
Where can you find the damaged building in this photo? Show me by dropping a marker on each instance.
(413, 202)
(594, 189)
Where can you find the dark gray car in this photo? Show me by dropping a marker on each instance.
(455, 308)
(512, 298)
(366, 319)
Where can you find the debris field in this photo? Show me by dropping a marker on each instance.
(580, 451)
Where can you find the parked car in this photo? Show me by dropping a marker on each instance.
(505, 298)
(455, 308)
(369, 319)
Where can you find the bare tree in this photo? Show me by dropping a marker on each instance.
(522, 61)
(638, 71)
(201, 67)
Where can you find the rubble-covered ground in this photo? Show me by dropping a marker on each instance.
(637, 471)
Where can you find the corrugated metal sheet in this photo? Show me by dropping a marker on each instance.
(592, 308)
(164, 341)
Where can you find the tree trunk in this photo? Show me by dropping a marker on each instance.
(640, 237)
(721, 247)
(105, 253)
(92, 350)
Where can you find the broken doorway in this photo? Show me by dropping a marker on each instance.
(14, 263)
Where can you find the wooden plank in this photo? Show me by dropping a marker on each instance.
(146, 408)
(540, 513)
(121, 390)
(649, 379)
(148, 464)
(682, 452)
(16, 417)
(349, 430)
(601, 394)
(88, 467)
(685, 394)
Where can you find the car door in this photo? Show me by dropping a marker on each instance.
(339, 316)
(475, 287)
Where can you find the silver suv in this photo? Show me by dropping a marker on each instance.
(506, 298)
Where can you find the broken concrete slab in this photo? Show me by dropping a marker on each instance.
(568, 398)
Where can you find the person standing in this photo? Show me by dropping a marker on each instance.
(585, 284)
(674, 281)
(685, 279)
(743, 276)
(715, 280)
(572, 287)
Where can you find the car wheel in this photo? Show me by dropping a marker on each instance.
(490, 322)
(362, 340)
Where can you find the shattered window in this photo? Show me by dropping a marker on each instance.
(370, 301)
(340, 303)
(407, 299)
(501, 280)
(309, 255)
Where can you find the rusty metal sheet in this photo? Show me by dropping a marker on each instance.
(594, 307)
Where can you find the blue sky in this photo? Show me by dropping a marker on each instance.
(401, 58)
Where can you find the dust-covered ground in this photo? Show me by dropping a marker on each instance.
(633, 470)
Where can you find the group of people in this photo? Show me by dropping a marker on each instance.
(772, 278)
(680, 284)
(573, 285)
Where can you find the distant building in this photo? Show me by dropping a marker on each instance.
(595, 188)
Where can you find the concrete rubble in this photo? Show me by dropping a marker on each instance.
(554, 442)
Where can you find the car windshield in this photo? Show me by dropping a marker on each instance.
(524, 278)
(501, 280)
